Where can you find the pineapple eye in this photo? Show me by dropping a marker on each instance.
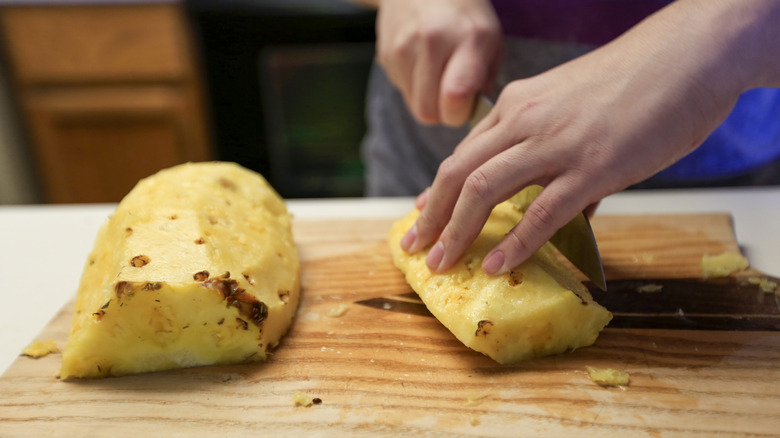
(140, 261)
(483, 327)
(228, 184)
(515, 278)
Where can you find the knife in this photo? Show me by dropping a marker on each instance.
(729, 304)
(575, 240)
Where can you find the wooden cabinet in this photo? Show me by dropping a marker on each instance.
(109, 93)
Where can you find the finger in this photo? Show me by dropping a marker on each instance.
(421, 199)
(558, 203)
(447, 185)
(396, 55)
(426, 80)
(463, 76)
(492, 183)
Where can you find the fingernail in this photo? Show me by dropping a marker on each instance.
(493, 264)
(435, 256)
(409, 238)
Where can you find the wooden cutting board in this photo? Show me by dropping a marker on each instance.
(382, 372)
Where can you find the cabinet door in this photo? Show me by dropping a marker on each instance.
(58, 44)
(93, 145)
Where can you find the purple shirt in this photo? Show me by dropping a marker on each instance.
(593, 22)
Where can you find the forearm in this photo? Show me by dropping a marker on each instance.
(732, 45)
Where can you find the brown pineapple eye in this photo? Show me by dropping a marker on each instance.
(140, 261)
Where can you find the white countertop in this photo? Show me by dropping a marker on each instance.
(43, 248)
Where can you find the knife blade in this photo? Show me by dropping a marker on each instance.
(575, 240)
(730, 303)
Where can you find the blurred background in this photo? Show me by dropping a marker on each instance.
(95, 95)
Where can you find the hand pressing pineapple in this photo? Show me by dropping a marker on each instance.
(196, 266)
(539, 308)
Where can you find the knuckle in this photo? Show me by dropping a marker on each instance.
(448, 170)
(397, 50)
(452, 234)
(515, 244)
(540, 216)
(428, 226)
(483, 31)
(431, 35)
(477, 185)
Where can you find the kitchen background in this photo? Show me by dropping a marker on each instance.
(95, 95)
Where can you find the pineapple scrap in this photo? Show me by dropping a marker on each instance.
(38, 348)
(196, 266)
(539, 308)
(608, 376)
(338, 311)
(722, 265)
(649, 288)
(302, 399)
(764, 284)
(475, 399)
(305, 400)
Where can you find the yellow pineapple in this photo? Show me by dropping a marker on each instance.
(539, 308)
(196, 266)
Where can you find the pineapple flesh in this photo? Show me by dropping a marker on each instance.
(196, 266)
(539, 308)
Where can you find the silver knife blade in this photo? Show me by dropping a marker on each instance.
(575, 240)
(729, 303)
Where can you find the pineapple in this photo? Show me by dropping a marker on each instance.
(196, 266)
(539, 308)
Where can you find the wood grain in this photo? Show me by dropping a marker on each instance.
(382, 373)
(97, 43)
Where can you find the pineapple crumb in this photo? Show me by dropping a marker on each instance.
(649, 288)
(38, 348)
(475, 399)
(722, 265)
(645, 258)
(302, 399)
(608, 376)
(473, 420)
(764, 284)
(338, 311)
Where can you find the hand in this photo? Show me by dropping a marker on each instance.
(591, 127)
(439, 53)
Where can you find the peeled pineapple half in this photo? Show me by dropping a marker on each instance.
(539, 308)
(196, 266)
